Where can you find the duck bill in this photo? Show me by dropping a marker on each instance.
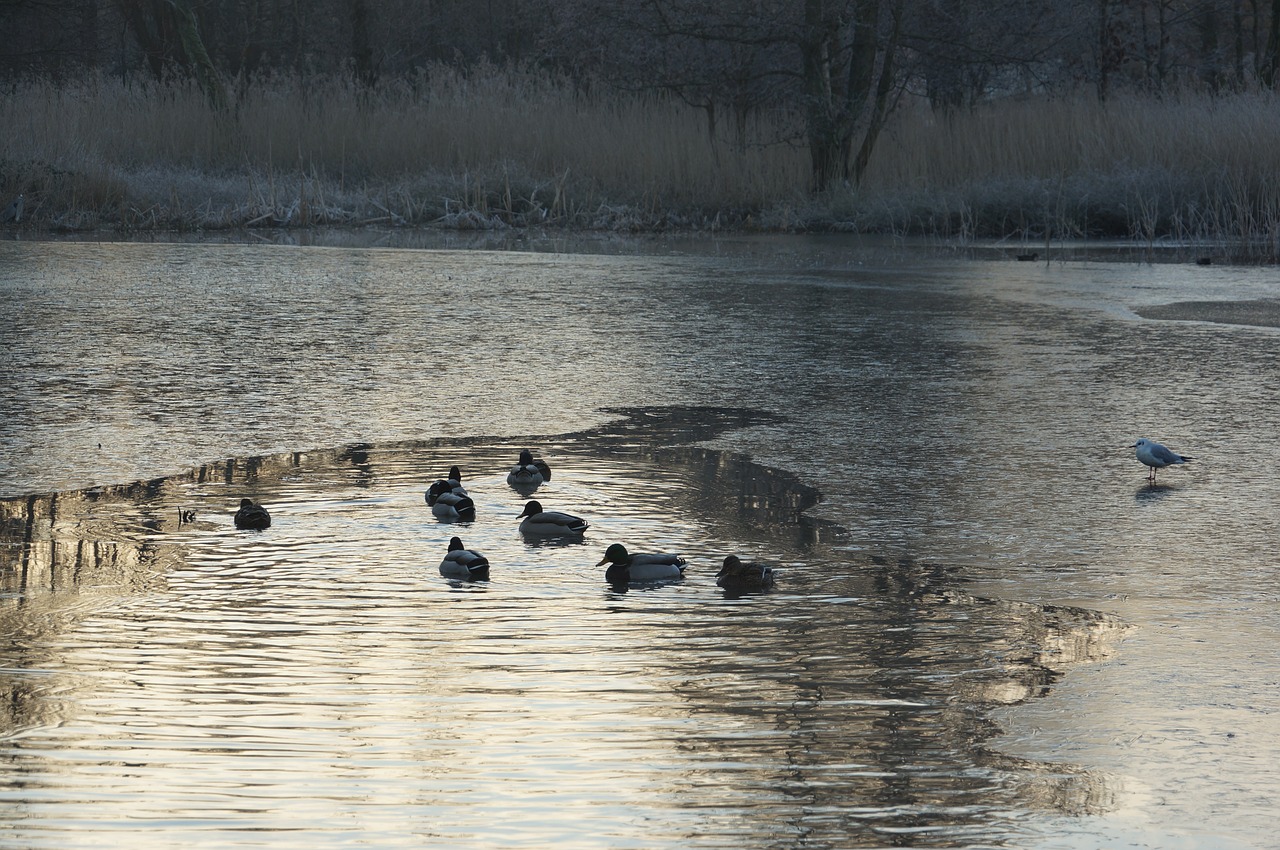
(602, 563)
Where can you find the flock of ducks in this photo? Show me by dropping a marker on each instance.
(449, 501)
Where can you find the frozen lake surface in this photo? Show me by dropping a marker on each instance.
(987, 631)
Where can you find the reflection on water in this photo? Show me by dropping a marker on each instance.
(322, 675)
(964, 419)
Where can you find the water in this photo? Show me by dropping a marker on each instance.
(989, 632)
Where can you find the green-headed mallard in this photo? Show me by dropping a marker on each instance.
(626, 568)
(550, 523)
(462, 563)
(528, 474)
(451, 484)
(451, 506)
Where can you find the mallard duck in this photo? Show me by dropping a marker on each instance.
(550, 523)
(625, 568)
(1156, 456)
(451, 506)
(452, 484)
(738, 576)
(462, 563)
(528, 473)
(252, 516)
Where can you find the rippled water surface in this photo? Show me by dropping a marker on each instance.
(987, 631)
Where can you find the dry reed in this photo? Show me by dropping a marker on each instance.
(505, 147)
(1194, 169)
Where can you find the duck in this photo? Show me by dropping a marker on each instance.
(252, 516)
(454, 506)
(528, 473)
(626, 568)
(1156, 456)
(450, 484)
(550, 523)
(463, 563)
(738, 576)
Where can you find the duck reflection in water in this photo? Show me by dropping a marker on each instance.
(252, 516)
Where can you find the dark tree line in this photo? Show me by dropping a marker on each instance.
(836, 67)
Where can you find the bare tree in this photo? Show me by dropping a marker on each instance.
(169, 34)
(829, 63)
(848, 74)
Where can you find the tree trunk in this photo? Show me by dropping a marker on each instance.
(169, 35)
(1104, 48)
(88, 31)
(827, 151)
(880, 109)
(835, 106)
(197, 57)
(361, 50)
(1269, 65)
(152, 29)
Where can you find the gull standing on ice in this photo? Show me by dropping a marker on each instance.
(1156, 456)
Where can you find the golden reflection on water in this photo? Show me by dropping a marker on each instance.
(320, 678)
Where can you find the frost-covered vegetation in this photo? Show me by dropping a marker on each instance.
(686, 119)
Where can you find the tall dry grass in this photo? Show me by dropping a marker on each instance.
(475, 149)
(1191, 168)
(498, 147)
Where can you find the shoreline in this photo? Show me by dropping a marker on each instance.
(577, 240)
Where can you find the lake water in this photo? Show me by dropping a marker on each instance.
(988, 630)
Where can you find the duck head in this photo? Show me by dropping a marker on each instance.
(615, 554)
(732, 566)
(532, 508)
